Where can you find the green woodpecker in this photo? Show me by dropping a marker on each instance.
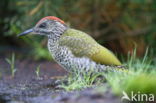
(73, 49)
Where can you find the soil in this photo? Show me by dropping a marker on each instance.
(26, 87)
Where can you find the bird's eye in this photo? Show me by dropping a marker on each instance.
(43, 25)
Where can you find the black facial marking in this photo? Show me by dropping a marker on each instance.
(43, 25)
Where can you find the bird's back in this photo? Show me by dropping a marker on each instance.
(83, 45)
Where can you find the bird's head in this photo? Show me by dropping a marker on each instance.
(47, 26)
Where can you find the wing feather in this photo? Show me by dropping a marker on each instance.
(82, 45)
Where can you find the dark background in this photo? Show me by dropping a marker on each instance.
(120, 25)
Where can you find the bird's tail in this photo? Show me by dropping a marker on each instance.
(104, 68)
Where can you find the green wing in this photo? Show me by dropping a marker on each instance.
(81, 44)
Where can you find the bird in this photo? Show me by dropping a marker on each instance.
(73, 49)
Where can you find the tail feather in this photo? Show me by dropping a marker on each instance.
(104, 68)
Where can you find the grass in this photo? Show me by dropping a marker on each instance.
(38, 71)
(11, 62)
(79, 80)
(137, 68)
(141, 78)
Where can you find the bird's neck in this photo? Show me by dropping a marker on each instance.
(56, 33)
(54, 37)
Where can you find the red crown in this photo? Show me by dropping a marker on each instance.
(52, 18)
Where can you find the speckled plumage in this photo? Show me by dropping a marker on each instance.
(73, 49)
(64, 56)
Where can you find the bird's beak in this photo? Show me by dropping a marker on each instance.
(25, 32)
